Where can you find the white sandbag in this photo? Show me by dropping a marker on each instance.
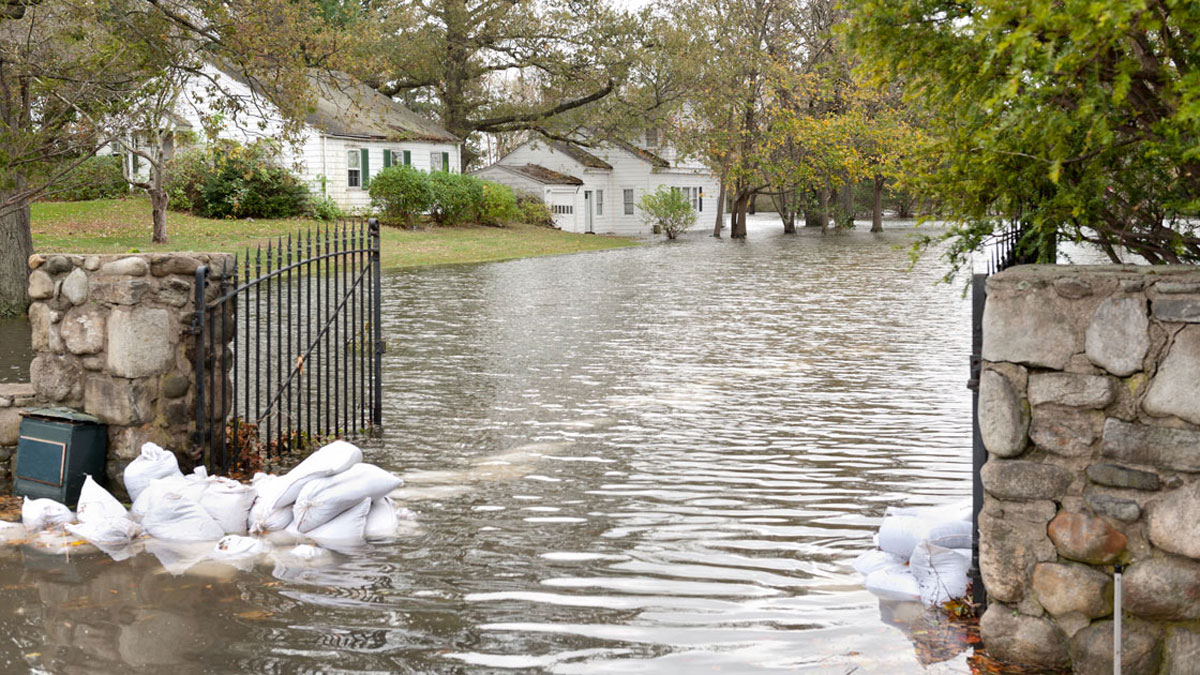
(11, 532)
(199, 473)
(39, 514)
(347, 527)
(264, 517)
(941, 574)
(950, 534)
(95, 503)
(106, 531)
(236, 546)
(330, 460)
(158, 487)
(173, 517)
(228, 502)
(323, 499)
(899, 535)
(153, 462)
(895, 583)
(965, 554)
(178, 557)
(869, 561)
(382, 520)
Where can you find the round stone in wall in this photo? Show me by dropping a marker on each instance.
(1175, 389)
(1003, 417)
(1118, 337)
(1175, 521)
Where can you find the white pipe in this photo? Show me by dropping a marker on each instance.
(1117, 569)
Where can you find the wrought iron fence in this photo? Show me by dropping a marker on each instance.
(288, 345)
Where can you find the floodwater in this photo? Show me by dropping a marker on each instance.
(649, 460)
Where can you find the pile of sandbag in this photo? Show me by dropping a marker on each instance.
(924, 554)
(332, 499)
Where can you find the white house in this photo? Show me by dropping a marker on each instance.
(352, 132)
(613, 178)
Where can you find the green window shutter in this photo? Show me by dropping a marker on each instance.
(446, 162)
(407, 158)
(366, 168)
(387, 158)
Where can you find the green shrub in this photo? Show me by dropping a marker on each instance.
(533, 210)
(456, 197)
(322, 207)
(186, 172)
(498, 204)
(245, 183)
(402, 193)
(95, 178)
(667, 211)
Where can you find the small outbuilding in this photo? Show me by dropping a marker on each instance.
(559, 190)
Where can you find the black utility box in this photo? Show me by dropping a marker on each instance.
(56, 449)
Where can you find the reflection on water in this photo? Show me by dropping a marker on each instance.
(652, 460)
(15, 350)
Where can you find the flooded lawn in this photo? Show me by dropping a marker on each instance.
(650, 460)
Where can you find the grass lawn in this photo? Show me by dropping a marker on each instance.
(123, 226)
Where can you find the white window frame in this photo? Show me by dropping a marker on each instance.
(354, 168)
(628, 197)
(599, 202)
(435, 161)
(652, 137)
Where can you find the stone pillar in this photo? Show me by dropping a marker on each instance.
(111, 337)
(1090, 411)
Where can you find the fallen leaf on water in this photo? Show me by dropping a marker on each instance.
(255, 614)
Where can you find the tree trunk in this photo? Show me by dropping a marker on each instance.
(158, 208)
(810, 209)
(846, 206)
(783, 205)
(877, 205)
(823, 195)
(738, 231)
(16, 245)
(720, 210)
(750, 203)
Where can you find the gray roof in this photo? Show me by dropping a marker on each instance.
(347, 107)
(535, 172)
(580, 155)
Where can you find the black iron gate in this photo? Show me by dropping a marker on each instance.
(1007, 251)
(288, 345)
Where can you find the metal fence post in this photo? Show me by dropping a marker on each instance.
(202, 426)
(376, 324)
(978, 452)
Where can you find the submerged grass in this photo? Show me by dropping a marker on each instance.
(123, 226)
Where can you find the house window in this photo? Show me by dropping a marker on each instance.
(652, 138)
(627, 194)
(564, 209)
(435, 161)
(695, 198)
(353, 169)
(599, 202)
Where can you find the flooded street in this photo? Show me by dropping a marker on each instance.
(649, 460)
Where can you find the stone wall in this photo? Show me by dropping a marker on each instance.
(1089, 406)
(111, 338)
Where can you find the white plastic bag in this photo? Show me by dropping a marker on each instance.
(950, 534)
(330, 460)
(264, 517)
(152, 463)
(941, 574)
(869, 561)
(899, 535)
(346, 528)
(106, 531)
(39, 514)
(95, 503)
(174, 517)
(323, 499)
(381, 519)
(894, 583)
(228, 502)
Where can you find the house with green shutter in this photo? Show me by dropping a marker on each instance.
(351, 132)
